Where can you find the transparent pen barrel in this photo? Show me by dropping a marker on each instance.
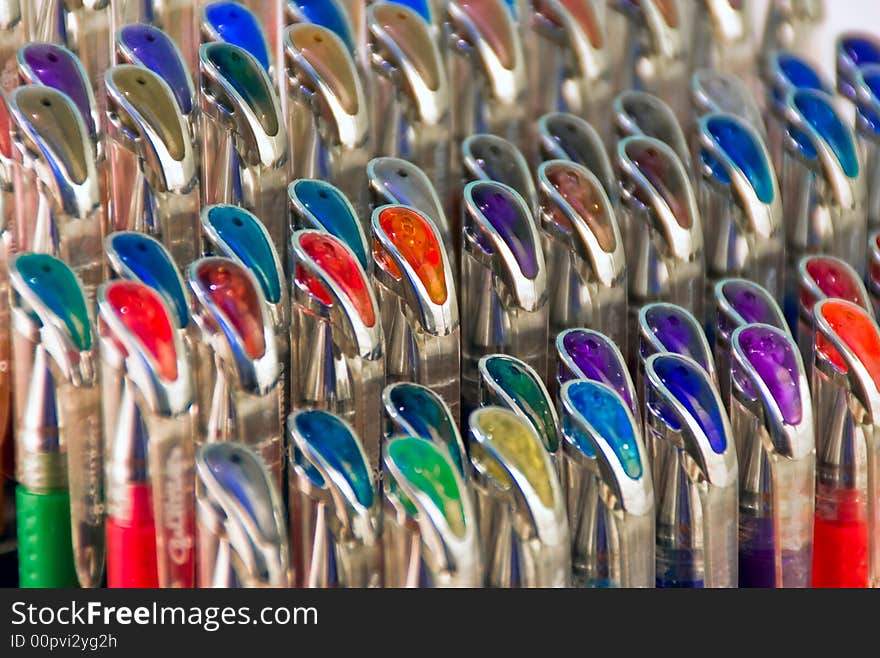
(794, 484)
(633, 556)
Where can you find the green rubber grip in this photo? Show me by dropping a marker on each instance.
(45, 550)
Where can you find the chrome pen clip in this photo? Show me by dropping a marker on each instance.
(242, 527)
(170, 23)
(739, 302)
(318, 205)
(695, 475)
(510, 383)
(238, 354)
(244, 156)
(585, 253)
(821, 277)
(640, 113)
(609, 488)
(868, 132)
(523, 526)
(416, 410)
(399, 181)
(656, 43)
(567, 137)
(662, 228)
(84, 26)
(14, 33)
(487, 71)
(335, 531)
(338, 359)
(785, 71)
(57, 426)
(589, 354)
(147, 401)
(740, 204)
(772, 419)
(571, 63)
(792, 25)
(153, 169)
(58, 202)
(489, 157)
(411, 109)
(723, 39)
(150, 47)
(846, 403)
(328, 116)
(413, 281)
(715, 92)
(503, 283)
(237, 24)
(824, 186)
(429, 526)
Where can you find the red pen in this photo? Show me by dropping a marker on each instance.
(148, 417)
(846, 397)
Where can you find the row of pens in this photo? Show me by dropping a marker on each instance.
(433, 303)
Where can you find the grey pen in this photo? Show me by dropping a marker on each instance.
(58, 202)
(867, 124)
(724, 39)
(510, 383)
(245, 154)
(739, 302)
(241, 527)
(335, 529)
(521, 506)
(661, 224)
(503, 283)
(656, 45)
(792, 25)
(772, 419)
(695, 475)
(396, 180)
(177, 20)
(783, 72)
(429, 527)
(490, 157)
(411, 112)
(640, 113)
(609, 488)
(412, 278)
(338, 354)
(571, 64)
(585, 253)
(740, 205)
(328, 117)
(488, 71)
(564, 136)
(14, 33)
(153, 168)
(822, 182)
(241, 377)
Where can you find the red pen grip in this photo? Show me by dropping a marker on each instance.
(131, 543)
(840, 538)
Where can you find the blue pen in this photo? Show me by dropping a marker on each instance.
(868, 132)
(235, 24)
(695, 475)
(167, 22)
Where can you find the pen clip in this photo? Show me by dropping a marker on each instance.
(139, 257)
(411, 261)
(735, 161)
(500, 233)
(669, 328)
(821, 277)
(741, 301)
(658, 24)
(574, 25)
(714, 91)
(486, 32)
(490, 157)
(640, 113)
(425, 485)
(576, 211)
(55, 66)
(239, 504)
(565, 136)
(510, 383)
(331, 283)
(330, 14)
(317, 204)
(786, 71)
(854, 51)
(233, 23)
(150, 47)
(416, 410)
(653, 177)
